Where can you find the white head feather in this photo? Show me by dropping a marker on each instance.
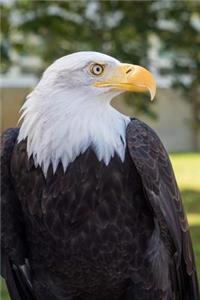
(65, 114)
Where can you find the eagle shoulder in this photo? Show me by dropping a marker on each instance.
(14, 269)
(154, 167)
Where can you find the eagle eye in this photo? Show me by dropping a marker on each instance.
(96, 69)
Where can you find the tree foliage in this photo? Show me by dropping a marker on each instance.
(5, 38)
(180, 37)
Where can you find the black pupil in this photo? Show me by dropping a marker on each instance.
(98, 69)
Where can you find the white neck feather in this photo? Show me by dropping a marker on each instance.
(61, 126)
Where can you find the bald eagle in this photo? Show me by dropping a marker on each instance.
(90, 205)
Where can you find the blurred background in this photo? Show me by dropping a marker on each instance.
(163, 36)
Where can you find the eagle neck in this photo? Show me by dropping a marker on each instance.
(68, 126)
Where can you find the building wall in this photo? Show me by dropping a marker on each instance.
(172, 125)
(173, 120)
(11, 101)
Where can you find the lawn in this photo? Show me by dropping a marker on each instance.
(187, 170)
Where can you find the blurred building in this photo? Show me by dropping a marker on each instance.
(174, 115)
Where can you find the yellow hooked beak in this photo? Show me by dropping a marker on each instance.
(127, 77)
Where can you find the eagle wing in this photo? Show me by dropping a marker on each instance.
(161, 190)
(14, 268)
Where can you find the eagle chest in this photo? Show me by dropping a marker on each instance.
(93, 217)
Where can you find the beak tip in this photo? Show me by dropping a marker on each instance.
(152, 93)
(152, 97)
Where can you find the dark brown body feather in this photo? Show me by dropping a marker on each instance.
(98, 232)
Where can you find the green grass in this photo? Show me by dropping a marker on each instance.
(187, 171)
(3, 294)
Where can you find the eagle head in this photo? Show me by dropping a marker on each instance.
(69, 110)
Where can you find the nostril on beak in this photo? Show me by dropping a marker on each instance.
(128, 71)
